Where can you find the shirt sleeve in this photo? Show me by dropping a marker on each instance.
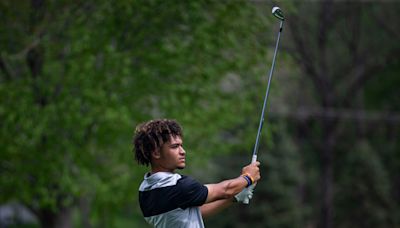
(191, 193)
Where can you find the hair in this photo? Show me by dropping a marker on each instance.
(151, 136)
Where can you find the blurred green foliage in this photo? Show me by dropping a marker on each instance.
(76, 77)
(79, 76)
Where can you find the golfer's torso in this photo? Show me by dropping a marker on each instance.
(179, 218)
(172, 200)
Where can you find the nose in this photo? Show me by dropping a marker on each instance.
(182, 151)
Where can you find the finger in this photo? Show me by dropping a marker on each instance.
(257, 163)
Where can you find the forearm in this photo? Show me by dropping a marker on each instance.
(212, 208)
(229, 188)
(225, 189)
(234, 186)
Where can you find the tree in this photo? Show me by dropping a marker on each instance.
(333, 52)
(77, 77)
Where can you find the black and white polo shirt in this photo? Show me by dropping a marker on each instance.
(172, 200)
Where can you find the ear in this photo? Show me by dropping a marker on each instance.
(156, 154)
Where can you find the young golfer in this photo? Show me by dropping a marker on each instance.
(168, 199)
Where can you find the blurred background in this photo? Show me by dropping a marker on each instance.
(76, 77)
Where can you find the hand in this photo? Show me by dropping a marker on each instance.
(253, 171)
(249, 189)
(245, 195)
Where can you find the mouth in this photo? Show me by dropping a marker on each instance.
(181, 163)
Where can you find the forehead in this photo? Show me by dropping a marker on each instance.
(175, 140)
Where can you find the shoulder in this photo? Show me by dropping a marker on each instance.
(191, 191)
(187, 182)
(190, 186)
(159, 180)
(187, 179)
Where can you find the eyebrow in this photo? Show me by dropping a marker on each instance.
(176, 144)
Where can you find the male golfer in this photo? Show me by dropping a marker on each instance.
(168, 199)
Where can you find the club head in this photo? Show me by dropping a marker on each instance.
(277, 12)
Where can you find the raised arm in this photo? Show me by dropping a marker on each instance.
(212, 208)
(221, 195)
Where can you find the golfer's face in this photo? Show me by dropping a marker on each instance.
(173, 154)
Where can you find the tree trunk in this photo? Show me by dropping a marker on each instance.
(327, 155)
(50, 219)
(84, 205)
(64, 218)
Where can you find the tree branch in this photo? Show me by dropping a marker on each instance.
(5, 69)
(304, 57)
(361, 115)
(363, 75)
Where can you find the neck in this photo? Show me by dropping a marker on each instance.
(156, 169)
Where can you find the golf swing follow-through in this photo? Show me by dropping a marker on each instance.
(168, 199)
(277, 12)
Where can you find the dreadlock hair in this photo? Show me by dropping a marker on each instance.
(152, 135)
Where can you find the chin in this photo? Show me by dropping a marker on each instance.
(181, 167)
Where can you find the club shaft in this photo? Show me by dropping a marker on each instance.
(260, 126)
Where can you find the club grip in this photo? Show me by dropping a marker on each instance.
(254, 158)
(251, 187)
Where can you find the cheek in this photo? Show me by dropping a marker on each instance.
(174, 154)
(171, 155)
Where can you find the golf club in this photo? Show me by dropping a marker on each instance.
(277, 12)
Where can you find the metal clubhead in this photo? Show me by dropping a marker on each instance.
(277, 12)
